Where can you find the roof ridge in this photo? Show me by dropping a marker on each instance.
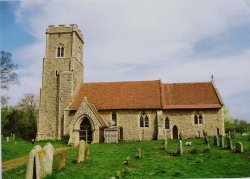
(187, 83)
(120, 81)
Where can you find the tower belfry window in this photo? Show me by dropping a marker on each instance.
(60, 50)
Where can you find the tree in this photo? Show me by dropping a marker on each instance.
(234, 124)
(28, 104)
(21, 119)
(8, 70)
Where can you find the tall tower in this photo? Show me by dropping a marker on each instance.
(62, 73)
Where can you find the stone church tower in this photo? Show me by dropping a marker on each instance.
(62, 73)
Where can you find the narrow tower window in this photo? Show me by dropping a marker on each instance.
(60, 50)
(167, 123)
(114, 119)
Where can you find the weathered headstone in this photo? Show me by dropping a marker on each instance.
(206, 140)
(7, 139)
(180, 136)
(222, 141)
(188, 143)
(139, 155)
(13, 137)
(166, 144)
(118, 174)
(140, 136)
(180, 151)
(126, 169)
(204, 133)
(83, 151)
(216, 140)
(46, 159)
(229, 143)
(62, 160)
(33, 168)
(239, 147)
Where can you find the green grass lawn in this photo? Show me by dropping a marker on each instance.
(106, 159)
(20, 147)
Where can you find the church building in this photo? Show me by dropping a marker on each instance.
(115, 111)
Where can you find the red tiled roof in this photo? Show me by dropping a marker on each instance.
(190, 95)
(120, 95)
(147, 95)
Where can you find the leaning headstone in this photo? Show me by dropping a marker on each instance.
(83, 151)
(216, 140)
(46, 159)
(126, 169)
(33, 167)
(13, 137)
(180, 136)
(140, 136)
(62, 160)
(222, 141)
(7, 139)
(205, 140)
(139, 155)
(166, 144)
(239, 147)
(118, 174)
(180, 151)
(229, 143)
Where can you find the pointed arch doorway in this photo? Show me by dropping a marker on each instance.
(175, 132)
(85, 132)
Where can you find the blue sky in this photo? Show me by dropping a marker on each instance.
(174, 40)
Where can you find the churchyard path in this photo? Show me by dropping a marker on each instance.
(15, 162)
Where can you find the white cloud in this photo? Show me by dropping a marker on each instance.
(135, 40)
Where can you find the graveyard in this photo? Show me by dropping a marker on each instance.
(150, 159)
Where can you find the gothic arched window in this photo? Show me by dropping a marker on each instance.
(198, 119)
(114, 119)
(167, 126)
(60, 50)
(195, 119)
(144, 121)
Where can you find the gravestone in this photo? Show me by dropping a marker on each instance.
(83, 151)
(166, 144)
(180, 136)
(229, 143)
(206, 140)
(62, 160)
(33, 168)
(13, 137)
(139, 153)
(239, 147)
(7, 139)
(222, 141)
(180, 151)
(118, 174)
(216, 140)
(140, 136)
(46, 159)
(199, 134)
